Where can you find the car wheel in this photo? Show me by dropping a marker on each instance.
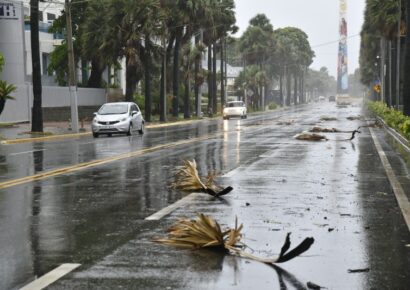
(109, 135)
(95, 135)
(141, 131)
(129, 130)
(245, 117)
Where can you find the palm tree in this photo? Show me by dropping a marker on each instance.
(37, 113)
(5, 93)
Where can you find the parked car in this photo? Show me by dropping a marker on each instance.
(234, 109)
(321, 98)
(332, 99)
(114, 118)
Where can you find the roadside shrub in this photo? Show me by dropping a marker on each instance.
(272, 106)
(392, 117)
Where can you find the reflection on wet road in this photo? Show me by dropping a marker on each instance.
(95, 216)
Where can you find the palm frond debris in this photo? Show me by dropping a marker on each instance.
(187, 179)
(205, 232)
(310, 137)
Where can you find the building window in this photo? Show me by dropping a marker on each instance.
(51, 17)
(45, 63)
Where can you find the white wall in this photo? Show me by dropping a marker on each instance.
(18, 110)
(12, 43)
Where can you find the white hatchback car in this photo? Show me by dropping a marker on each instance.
(113, 118)
(234, 109)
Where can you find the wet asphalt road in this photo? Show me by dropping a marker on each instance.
(334, 191)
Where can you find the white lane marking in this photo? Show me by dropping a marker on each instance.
(18, 153)
(167, 210)
(401, 197)
(50, 277)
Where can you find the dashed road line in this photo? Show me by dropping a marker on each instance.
(401, 197)
(169, 209)
(50, 277)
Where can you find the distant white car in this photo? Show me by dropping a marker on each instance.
(234, 109)
(322, 98)
(121, 117)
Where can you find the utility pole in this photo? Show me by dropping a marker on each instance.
(72, 82)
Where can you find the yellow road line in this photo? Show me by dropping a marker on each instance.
(47, 138)
(94, 163)
(76, 135)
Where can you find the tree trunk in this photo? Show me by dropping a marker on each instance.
(187, 103)
(214, 83)
(295, 90)
(37, 113)
(282, 100)
(147, 81)
(394, 73)
(406, 89)
(288, 88)
(210, 82)
(2, 104)
(130, 80)
(196, 80)
(95, 80)
(162, 97)
(222, 77)
(84, 72)
(175, 85)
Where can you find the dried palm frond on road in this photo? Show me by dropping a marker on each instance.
(324, 130)
(187, 179)
(205, 232)
(310, 137)
(326, 118)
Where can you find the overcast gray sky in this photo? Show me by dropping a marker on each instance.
(318, 18)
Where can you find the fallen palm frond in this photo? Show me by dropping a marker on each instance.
(187, 179)
(205, 232)
(287, 123)
(324, 130)
(310, 137)
(325, 118)
(352, 118)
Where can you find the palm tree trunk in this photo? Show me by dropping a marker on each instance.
(162, 97)
(406, 87)
(222, 76)
(210, 89)
(288, 88)
(95, 80)
(214, 83)
(37, 113)
(187, 103)
(130, 80)
(175, 85)
(295, 90)
(281, 88)
(196, 78)
(147, 81)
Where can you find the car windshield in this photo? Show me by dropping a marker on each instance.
(234, 104)
(113, 109)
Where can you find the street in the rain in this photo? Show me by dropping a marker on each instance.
(101, 202)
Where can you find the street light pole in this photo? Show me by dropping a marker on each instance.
(72, 83)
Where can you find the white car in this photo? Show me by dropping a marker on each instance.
(113, 118)
(234, 109)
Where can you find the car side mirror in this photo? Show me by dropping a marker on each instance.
(134, 113)
(95, 114)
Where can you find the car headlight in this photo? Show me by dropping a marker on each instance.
(123, 119)
(95, 120)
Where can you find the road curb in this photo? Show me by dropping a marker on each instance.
(46, 138)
